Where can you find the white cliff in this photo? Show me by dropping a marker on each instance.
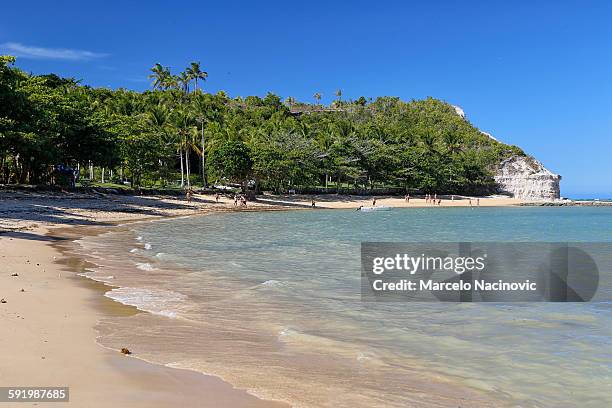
(526, 178)
(523, 177)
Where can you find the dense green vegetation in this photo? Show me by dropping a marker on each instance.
(179, 134)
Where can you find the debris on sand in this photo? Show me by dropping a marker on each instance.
(125, 351)
(22, 290)
(2, 300)
(15, 274)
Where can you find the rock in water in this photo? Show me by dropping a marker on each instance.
(526, 178)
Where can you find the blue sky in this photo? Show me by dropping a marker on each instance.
(537, 74)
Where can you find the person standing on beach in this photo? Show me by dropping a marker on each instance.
(235, 200)
(407, 198)
(478, 202)
(188, 195)
(374, 202)
(312, 203)
(217, 197)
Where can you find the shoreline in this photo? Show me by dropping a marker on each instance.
(49, 276)
(37, 351)
(436, 388)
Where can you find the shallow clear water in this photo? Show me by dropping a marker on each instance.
(270, 301)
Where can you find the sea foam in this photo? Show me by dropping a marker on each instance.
(145, 266)
(156, 301)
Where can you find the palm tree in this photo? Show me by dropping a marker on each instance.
(317, 97)
(157, 118)
(184, 123)
(184, 79)
(160, 76)
(290, 101)
(171, 81)
(339, 94)
(196, 73)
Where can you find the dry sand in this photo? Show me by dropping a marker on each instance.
(333, 201)
(47, 335)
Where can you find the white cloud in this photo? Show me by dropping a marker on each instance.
(28, 51)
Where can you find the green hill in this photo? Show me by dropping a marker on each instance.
(174, 133)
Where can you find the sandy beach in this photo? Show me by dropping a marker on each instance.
(333, 201)
(47, 329)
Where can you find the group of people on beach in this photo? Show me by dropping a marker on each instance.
(239, 198)
(433, 199)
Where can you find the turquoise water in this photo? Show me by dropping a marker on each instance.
(270, 301)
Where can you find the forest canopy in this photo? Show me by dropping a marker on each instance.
(179, 135)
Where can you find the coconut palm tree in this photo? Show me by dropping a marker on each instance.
(184, 79)
(160, 76)
(339, 94)
(185, 125)
(317, 97)
(171, 81)
(158, 118)
(196, 73)
(290, 101)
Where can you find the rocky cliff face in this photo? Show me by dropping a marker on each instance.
(523, 177)
(527, 178)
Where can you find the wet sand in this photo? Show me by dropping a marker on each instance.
(47, 338)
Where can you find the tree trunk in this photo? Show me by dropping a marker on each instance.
(181, 156)
(102, 175)
(204, 178)
(187, 166)
(18, 170)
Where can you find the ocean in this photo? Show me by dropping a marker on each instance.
(271, 302)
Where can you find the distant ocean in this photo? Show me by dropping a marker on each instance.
(590, 198)
(270, 302)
